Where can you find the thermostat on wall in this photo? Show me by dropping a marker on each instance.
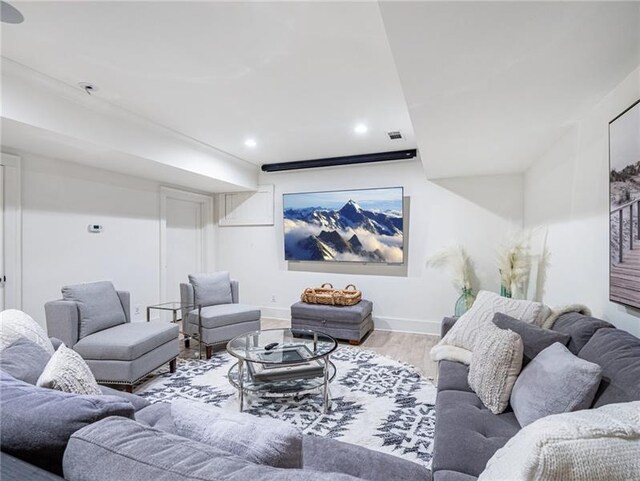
(95, 228)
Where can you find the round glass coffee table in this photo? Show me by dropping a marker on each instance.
(282, 363)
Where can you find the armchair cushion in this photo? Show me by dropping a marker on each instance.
(224, 315)
(211, 289)
(99, 306)
(126, 342)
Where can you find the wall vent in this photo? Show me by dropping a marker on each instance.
(395, 135)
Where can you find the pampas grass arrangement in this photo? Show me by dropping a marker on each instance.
(455, 259)
(514, 264)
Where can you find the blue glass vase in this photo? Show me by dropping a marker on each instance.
(504, 292)
(464, 302)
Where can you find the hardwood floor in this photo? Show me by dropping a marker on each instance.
(401, 346)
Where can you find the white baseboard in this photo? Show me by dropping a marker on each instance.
(394, 324)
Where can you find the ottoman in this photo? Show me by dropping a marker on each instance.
(350, 323)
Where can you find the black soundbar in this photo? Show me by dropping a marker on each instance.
(346, 160)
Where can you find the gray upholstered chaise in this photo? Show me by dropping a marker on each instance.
(217, 318)
(94, 320)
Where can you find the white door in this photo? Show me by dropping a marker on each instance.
(184, 244)
(2, 271)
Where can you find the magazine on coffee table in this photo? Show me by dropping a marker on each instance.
(291, 367)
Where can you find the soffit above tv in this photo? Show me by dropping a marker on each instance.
(345, 160)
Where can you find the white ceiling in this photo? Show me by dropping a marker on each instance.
(296, 77)
(488, 86)
(491, 85)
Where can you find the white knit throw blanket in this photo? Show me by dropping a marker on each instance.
(557, 312)
(590, 445)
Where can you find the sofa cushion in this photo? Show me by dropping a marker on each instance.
(589, 445)
(579, 327)
(126, 342)
(467, 434)
(98, 304)
(350, 314)
(158, 415)
(534, 338)
(211, 289)
(37, 422)
(495, 365)
(618, 353)
(224, 315)
(452, 476)
(24, 360)
(66, 371)
(329, 455)
(452, 376)
(118, 449)
(260, 440)
(458, 343)
(16, 325)
(138, 402)
(555, 382)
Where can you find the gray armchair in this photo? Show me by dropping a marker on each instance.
(94, 320)
(217, 316)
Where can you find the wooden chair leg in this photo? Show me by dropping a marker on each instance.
(353, 342)
(172, 365)
(187, 343)
(209, 351)
(128, 388)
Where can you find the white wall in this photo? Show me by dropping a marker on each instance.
(567, 190)
(59, 200)
(476, 212)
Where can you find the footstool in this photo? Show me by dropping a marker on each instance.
(350, 323)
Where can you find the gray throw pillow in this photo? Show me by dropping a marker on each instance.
(24, 360)
(98, 304)
(38, 422)
(211, 289)
(555, 382)
(535, 338)
(258, 440)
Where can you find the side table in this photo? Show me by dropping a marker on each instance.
(174, 307)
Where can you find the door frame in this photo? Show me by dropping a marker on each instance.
(207, 254)
(12, 230)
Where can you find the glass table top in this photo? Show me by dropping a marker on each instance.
(281, 346)
(172, 306)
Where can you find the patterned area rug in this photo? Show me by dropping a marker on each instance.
(377, 402)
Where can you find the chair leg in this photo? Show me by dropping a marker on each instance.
(128, 388)
(172, 366)
(354, 342)
(209, 351)
(187, 343)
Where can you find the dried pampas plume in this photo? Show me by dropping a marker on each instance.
(456, 260)
(514, 262)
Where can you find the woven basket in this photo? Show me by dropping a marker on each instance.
(349, 296)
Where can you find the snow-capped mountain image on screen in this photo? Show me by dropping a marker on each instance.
(349, 225)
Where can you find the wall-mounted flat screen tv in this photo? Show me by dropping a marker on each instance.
(364, 225)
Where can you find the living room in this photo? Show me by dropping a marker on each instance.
(163, 157)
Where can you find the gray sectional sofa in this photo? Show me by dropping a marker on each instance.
(467, 434)
(121, 436)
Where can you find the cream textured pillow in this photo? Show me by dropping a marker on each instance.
(458, 343)
(16, 324)
(591, 445)
(495, 365)
(66, 371)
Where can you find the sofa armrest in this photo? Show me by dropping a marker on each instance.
(14, 469)
(125, 301)
(62, 321)
(235, 291)
(447, 324)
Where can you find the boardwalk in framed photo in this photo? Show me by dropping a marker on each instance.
(624, 207)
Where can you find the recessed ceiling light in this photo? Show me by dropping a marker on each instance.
(250, 143)
(10, 14)
(360, 129)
